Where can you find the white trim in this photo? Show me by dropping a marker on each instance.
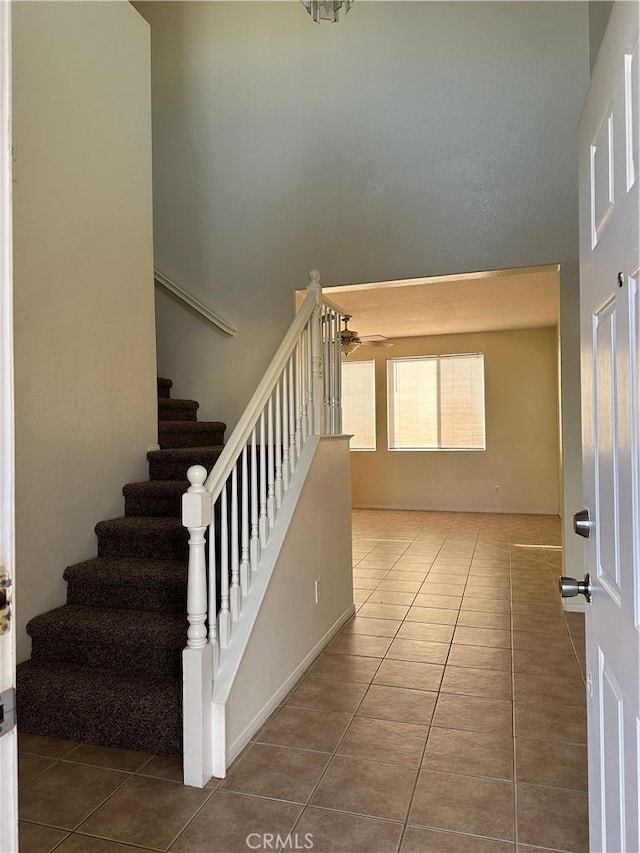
(215, 319)
(243, 739)
(8, 743)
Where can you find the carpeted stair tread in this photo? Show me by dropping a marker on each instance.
(190, 433)
(155, 498)
(164, 387)
(172, 463)
(155, 585)
(143, 538)
(177, 410)
(105, 708)
(131, 627)
(130, 641)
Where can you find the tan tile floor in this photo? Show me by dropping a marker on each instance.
(447, 717)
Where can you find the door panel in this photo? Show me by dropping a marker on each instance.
(609, 263)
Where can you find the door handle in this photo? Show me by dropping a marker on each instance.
(570, 587)
(582, 523)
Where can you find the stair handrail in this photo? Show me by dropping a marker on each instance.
(215, 319)
(238, 438)
(235, 512)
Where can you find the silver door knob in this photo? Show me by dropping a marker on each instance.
(582, 523)
(570, 587)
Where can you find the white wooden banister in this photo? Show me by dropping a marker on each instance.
(239, 504)
(242, 432)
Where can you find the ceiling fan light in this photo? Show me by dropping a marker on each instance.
(347, 349)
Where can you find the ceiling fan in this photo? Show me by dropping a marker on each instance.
(350, 340)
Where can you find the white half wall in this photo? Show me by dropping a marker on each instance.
(290, 626)
(83, 283)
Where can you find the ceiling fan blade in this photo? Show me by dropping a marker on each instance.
(370, 338)
(383, 343)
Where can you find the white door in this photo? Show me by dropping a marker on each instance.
(8, 734)
(610, 340)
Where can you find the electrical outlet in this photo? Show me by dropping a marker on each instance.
(497, 489)
(318, 590)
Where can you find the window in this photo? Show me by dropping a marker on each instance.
(359, 403)
(436, 402)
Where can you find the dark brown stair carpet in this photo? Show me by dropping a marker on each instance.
(127, 641)
(174, 462)
(190, 434)
(164, 387)
(155, 498)
(129, 584)
(106, 667)
(143, 538)
(177, 410)
(101, 707)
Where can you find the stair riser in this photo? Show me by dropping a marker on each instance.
(188, 438)
(172, 470)
(149, 721)
(176, 413)
(157, 599)
(164, 388)
(167, 547)
(154, 506)
(125, 660)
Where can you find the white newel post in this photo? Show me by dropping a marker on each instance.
(197, 657)
(317, 377)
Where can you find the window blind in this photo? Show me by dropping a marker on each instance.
(359, 403)
(436, 403)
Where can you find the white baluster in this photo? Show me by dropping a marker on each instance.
(305, 369)
(271, 489)
(254, 541)
(224, 616)
(286, 466)
(338, 365)
(213, 604)
(244, 527)
(278, 448)
(235, 593)
(317, 378)
(292, 413)
(196, 515)
(335, 355)
(263, 522)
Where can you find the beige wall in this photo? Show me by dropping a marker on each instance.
(522, 455)
(84, 321)
(411, 139)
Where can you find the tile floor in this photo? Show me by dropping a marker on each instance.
(447, 717)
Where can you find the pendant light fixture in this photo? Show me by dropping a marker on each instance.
(327, 10)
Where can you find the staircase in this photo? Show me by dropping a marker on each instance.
(106, 668)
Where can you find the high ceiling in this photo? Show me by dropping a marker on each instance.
(475, 302)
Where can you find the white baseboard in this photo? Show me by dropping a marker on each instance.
(261, 717)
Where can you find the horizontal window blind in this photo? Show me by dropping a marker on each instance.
(359, 403)
(436, 403)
